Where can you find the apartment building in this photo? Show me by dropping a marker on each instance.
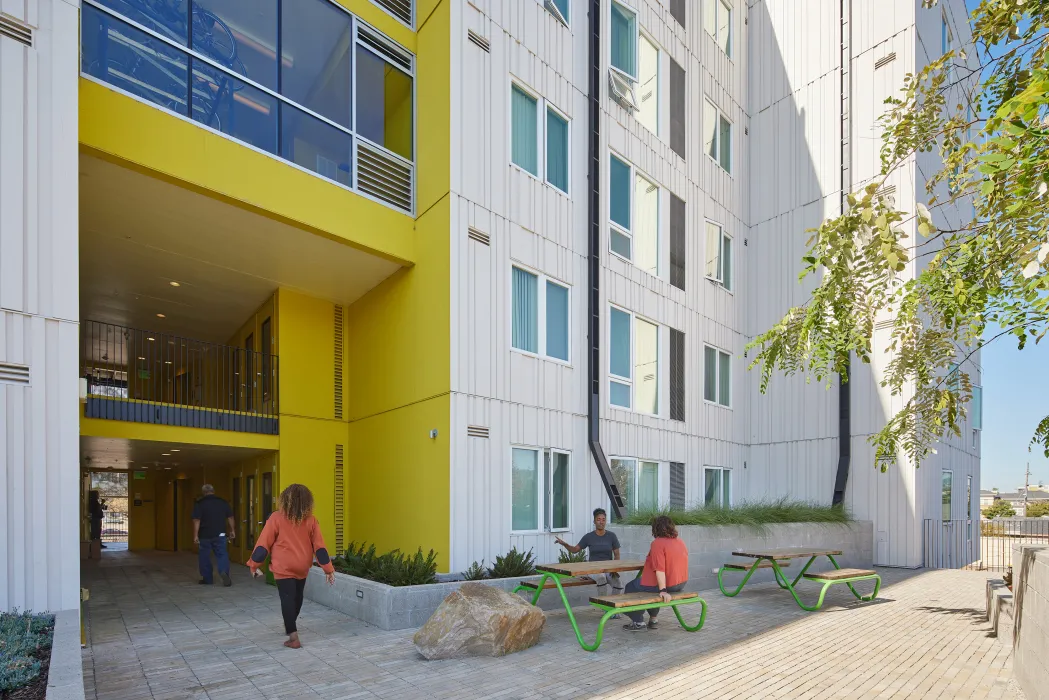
(467, 269)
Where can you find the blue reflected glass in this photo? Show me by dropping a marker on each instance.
(169, 18)
(240, 35)
(233, 107)
(133, 60)
(316, 46)
(315, 145)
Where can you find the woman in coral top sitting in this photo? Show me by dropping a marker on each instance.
(665, 572)
(291, 538)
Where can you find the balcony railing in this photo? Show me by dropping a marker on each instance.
(149, 377)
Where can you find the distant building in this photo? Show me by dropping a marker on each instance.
(1035, 494)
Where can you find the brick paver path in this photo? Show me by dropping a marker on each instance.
(155, 633)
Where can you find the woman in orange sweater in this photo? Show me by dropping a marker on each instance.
(291, 538)
(665, 572)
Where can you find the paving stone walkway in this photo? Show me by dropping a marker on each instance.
(153, 632)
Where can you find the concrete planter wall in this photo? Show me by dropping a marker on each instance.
(1030, 633)
(65, 675)
(711, 546)
(404, 607)
(394, 608)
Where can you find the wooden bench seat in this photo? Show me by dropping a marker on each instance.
(565, 583)
(626, 600)
(839, 574)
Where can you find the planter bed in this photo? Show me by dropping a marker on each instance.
(709, 546)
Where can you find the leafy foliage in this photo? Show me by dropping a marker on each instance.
(393, 568)
(475, 572)
(750, 514)
(999, 509)
(513, 564)
(24, 637)
(566, 557)
(1038, 509)
(939, 296)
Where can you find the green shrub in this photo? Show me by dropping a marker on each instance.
(24, 637)
(999, 509)
(1038, 509)
(475, 572)
(566, 557)
(393, 568)
(513, 564)
(755, 514)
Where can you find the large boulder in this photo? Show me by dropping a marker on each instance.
(479, 620)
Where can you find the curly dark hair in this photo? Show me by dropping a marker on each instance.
(296, 502)
(663, 526)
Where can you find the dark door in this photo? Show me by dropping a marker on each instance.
(249, 502)
(267, 495)
(249, 373)
(237, 518)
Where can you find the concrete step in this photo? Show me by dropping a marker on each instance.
(1000, 610)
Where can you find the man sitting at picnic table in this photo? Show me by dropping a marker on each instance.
(665, 572)
(601, 545)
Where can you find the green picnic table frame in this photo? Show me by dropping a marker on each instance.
(557, 572)
(773, 555)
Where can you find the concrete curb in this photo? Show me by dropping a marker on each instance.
(65, 677)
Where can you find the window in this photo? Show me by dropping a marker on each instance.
(968, 508)
(559, 9)
(524, 130)
(539, 315)
(719, 255)
(633, 362)
(648, 79)
(717, 20)
(717, 491)
(638, 482)
(677, 375)
(945, 494)
(634, 215)
(527, 136)
(717, 376)
(678, 242)
(717, 136)
(976, 410)
(303, 80)
(677, 108)
(536, 491)
(624, 40)
(677, 10)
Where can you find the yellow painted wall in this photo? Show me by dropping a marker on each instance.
(308, 457)
(398, 487)
(100, 427)
(433, 89)
(306, 346)
(142, 530)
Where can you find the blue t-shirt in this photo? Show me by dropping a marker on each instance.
(599, 547)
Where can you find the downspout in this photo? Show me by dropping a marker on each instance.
(593, 415)
(844, 393)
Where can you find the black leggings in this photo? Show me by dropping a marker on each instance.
(290, 590)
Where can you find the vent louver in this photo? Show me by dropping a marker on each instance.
(479, 236)
(885, 60)
(13, 29)
(477, 431)
(338, 360)
(383, 176)
(479, 40)
(11, 373)
(340, 501)
(384, 48)
(401, 9)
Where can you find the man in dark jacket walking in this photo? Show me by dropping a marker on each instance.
(211, 515)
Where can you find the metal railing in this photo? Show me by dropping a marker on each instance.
(985, 545)
(151, 377)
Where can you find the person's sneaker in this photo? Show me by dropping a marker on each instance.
(653, 624)
(202, 582)
(226, 580)
(617, 616)
(635, 627)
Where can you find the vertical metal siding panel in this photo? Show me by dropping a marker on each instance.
(12, 174)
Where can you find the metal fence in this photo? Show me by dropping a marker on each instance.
(985, 545)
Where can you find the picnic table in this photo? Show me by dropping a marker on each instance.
(561, 576)
(777, 558)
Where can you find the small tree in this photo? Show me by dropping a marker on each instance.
(999, 509)
(1039, 509)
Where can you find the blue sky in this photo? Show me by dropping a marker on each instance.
(1015, 398)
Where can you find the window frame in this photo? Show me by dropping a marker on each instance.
(542, 106)
(632, 380)
(731, 489)
(638, 461)
(719, 280)
(541, 280)
(637, 34)
(631, 234)
(561, 17)
(548, 510)
(720, 356)
(643, 36)
(543, 507)
(950, 499)
(719, 115)
(977, 389)
(719, 6)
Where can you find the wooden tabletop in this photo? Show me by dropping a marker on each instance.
(586, 568)
(788, 553)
